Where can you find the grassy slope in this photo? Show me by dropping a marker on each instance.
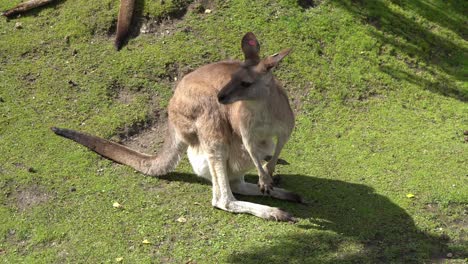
(380, 91)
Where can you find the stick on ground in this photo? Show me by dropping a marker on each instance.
(26, 6)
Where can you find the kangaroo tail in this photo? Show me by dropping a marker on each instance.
(162, 163)
(124, 21)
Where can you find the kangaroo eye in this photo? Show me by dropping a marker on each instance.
(245, 84)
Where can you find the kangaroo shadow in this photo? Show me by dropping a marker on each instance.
(184, 177)
(346, 214)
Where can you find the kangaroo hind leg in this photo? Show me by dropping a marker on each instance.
(223, 197)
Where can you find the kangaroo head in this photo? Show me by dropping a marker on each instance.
(253, 80)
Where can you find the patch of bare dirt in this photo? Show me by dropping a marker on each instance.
(148, 134)
(174, 72)
(30, 78)
(158, 27)
(145, 135)
(169, 24)
(22, 166)
(454, 216)
(26, 197)
(120, 93)
(297, 96)
(13, 239)
(147, 138)
(125, 96)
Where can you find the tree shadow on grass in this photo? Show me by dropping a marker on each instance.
(437, 13)
(408, 36)
(440, 85)
(341, 222)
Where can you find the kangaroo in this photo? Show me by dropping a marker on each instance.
(226, 115)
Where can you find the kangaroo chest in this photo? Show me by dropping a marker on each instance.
(259, 122)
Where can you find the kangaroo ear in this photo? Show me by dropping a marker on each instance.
(273, 60)
(251, 49)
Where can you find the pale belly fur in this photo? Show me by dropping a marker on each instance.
(238, 162)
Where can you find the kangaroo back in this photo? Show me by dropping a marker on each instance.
(166, 160)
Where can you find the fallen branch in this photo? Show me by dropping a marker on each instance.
(26, 6)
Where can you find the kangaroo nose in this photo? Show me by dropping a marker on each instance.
(221, 98)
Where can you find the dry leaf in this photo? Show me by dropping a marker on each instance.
(410, 195)
(181, 219)
(146, 241)
(117, 205)
(119, 259)
(207, 11)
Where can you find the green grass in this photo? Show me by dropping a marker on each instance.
(380, 92)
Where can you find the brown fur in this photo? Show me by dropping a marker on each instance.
(226, 115)
(124, 21)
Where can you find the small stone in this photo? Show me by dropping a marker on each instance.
(465, 133)
(18, 25)
(181, 219)
(72, 83)
(208, 11)
(198, 8)
(449, 255)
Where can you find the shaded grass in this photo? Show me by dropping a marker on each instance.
(379, 88)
